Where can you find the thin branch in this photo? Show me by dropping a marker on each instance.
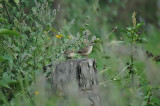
(121, 71)
(138, 85)
(106, 82)
(103, 71)
(113, 30)
(115, 78)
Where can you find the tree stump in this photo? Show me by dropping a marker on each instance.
(76, 79)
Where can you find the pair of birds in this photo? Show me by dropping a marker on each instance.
(84, 51)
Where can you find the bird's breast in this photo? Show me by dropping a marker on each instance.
(89, 50)
(71, 55)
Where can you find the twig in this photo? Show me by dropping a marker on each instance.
(138, 85)
(106, 82)
(103, 71)
(121, 71)
(113, 30)
(115, 78)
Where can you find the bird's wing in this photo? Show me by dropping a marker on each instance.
(68, 51)
(82, 50)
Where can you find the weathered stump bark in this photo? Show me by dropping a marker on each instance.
(77, 79)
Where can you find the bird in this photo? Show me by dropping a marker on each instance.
(86, 50)
(69, 54)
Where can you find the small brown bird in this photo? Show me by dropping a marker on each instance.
(86, 50)
(69, 54)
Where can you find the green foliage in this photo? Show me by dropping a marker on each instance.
(135, 32)
(6, 80)
(16, 1)
(3, 20)
(32, 44)
(8, 32)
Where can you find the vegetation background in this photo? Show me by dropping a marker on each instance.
(35, 33)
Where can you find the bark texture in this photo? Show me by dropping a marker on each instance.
(77, 79)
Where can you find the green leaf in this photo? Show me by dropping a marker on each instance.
(4, 84)
(129, 29)
(34, 10)
(98, 46)
(9, 58)
(2, 19)
(8, 32)
(139, 25)
(6, 58)
(54, 30)
(82, 29)
(17, 2)
(7, 78)
(2, 59)
(97, 40)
